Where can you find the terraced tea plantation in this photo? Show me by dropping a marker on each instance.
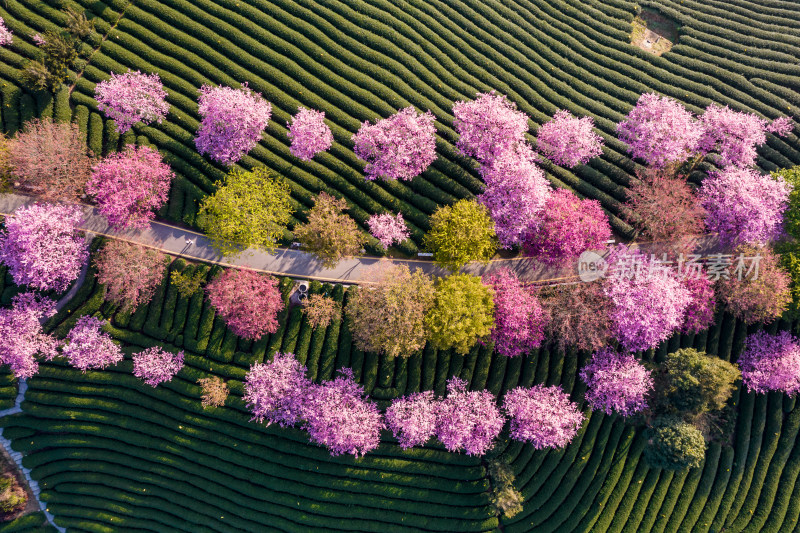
(360, 60)
(113, 454)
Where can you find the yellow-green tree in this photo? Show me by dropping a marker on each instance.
(248, 209)
(388, 314)
(789, 249)
(462, 313)
(461, 233)
(330, 234)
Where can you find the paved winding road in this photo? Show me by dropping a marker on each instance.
(295, 263)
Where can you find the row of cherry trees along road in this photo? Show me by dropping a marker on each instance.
(44, 251)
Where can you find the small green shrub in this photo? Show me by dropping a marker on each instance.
(505, 499)
(187, 285)
(695, 383)
(12, 496)
(673, 444)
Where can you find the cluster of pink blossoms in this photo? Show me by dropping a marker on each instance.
(515, 194)
(247, 301)
(659, 130)
(744, 205)
(42, 247)
(233, 120)
(275, 391)
(542, 416)
(412, 419)
(22, 336)
(616, 383)
(699, 313)
(735, 135)
(648, 306)
(569, 141)
(771, 363)
(88, 347)
(337, 415)
(398, 147)
(468, 420)
(519, 319)
(129, 186)
(569, 226)
(388, 229)
(5, 34)
(309, 134)
(156, 365)
(132, 97)
(488, 126)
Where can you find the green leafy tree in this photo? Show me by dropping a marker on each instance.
(248, 209)
(388, 314)
(673, 444)
(789, 250)
(330, 234)
(77, 24)
(461, 233)
(695, 383)
(792, 214)
(59, 53)
(463, 312)
(188, 285)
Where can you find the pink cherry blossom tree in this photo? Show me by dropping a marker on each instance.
(388, 229)
(130, 186)
(233, 120)
(130, 272)
(247, 301)
(771, 363)
(616, 383)
(468, 420)
(761, 295)
(50, 160)
(649, 304)
(412, 419)
(5, 34)
(275, 391)
(22, 336)
(699, 313)
(88, 347)
(542, 416)
(309, 134)
(569, 141)
(665, 207)
(156, 365)
(42, 247)
(744, 205)
(659, 130)
(519, 320)
(398, 147)
(132, 97)
(338, 416)
(735, 135)
(515, 194)
(488, 126)
(781, 126)
(569, 226)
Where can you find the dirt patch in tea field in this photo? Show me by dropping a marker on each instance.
(654, 32)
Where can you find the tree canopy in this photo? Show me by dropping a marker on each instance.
(462, 312)
(248, 209)
(461, 233)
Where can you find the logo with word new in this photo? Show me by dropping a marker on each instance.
(591, 266)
